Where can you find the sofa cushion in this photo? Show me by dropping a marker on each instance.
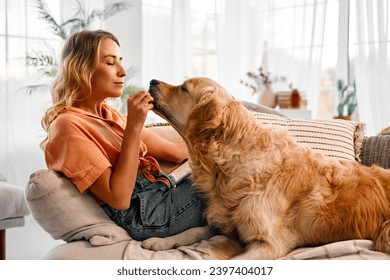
(12, 201)
(65, 213)
(169, 133)
(335, 138)
(376, 150)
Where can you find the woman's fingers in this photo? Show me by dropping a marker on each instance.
(138, 107)
(142, 100)
(141, 97)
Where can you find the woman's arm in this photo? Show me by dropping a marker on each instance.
(162, 149)
(115, 186)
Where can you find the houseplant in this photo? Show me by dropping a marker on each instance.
(260, 83)
(47, 60)
(347, 101)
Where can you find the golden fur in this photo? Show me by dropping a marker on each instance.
(385, 131)
(262, 186)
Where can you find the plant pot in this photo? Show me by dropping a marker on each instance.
(347, 118)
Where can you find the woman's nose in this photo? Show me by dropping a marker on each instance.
(122, 72)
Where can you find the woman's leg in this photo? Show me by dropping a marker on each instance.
(157, 211)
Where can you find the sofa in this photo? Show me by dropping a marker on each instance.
(12, 211)
(89, 234)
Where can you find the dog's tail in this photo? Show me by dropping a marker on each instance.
(382, 238)
(224, 248)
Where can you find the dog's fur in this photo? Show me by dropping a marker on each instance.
(262, 186)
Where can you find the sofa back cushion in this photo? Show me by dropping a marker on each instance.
(65, 213)
(334, 138)
(376, 150)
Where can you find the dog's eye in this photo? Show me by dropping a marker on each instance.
(183, 88)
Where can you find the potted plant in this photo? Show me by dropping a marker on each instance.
(260, 83)
(347, 101)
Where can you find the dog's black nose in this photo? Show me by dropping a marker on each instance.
(154, 82)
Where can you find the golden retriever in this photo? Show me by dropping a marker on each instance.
(262, 186)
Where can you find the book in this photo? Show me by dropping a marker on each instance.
(182, 171)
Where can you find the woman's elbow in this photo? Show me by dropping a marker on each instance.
(121, 204)
(181, 153)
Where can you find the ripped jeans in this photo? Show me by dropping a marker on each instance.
(157, 211)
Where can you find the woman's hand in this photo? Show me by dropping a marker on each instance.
(138, 106)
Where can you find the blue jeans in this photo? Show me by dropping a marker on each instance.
(156, 211)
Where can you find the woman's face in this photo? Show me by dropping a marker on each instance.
(107, 79)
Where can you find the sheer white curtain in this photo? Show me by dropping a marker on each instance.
(295, 44)
(285, 37)
(241, 31)
(21, 131)
(167, 49)
(369, 51)
(21, 32)
(168, 40)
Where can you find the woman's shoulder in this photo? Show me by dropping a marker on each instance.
(66, 117)
(66, 122)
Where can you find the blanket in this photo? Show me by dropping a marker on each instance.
(359, 249)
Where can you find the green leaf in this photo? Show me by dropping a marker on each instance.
(45, 14)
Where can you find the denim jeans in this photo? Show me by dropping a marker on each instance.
(156, 211)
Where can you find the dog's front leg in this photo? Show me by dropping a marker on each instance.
(184, 238)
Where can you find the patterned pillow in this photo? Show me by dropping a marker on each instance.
(375, 150)
(335, 138)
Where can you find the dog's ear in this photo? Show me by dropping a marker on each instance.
(206, 118)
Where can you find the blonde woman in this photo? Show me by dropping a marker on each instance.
(108, 154)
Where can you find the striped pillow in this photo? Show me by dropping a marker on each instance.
(335, 138)
(169, 133)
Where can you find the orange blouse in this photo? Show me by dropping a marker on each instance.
(82, 145)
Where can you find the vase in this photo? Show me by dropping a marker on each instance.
(295, 99)
(267, 97)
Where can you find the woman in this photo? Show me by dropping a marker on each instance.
(109, 155)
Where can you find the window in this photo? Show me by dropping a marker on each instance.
(204, 38)
(20, 32)
(313, 43)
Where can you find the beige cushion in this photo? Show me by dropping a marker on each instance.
(335, 138)
(66, 214)
(169, 133)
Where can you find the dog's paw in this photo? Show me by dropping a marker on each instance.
(157, 244)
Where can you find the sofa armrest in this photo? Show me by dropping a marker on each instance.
(376, 150)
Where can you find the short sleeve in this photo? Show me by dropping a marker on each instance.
(78, 158)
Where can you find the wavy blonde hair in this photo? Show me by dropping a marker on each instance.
(73, 81)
